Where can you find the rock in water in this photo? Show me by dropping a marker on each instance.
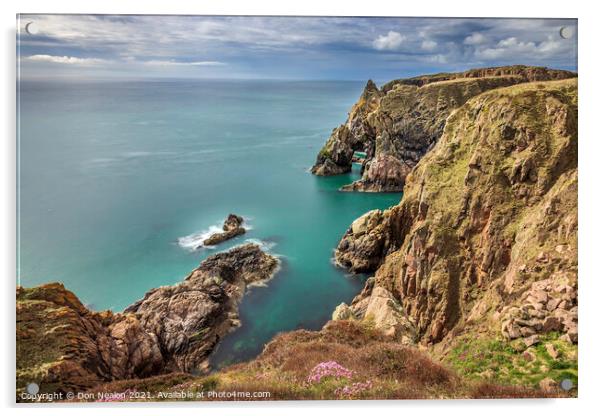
(232, 222)
(337, 154)
(397, 124)
(362, 247)
(232, 228)
(63, 346)
(192, 316)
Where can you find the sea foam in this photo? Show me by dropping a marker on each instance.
(264, 245)
(194, 241)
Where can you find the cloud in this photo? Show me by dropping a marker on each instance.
(391, 41)
(475, 39)
(516, 49)
(181, 63)
(437, 59)
(429, 45)
(70, 60)
(287, 47)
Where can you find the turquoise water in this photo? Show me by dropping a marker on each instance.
(119, 180)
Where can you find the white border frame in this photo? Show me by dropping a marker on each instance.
(589, 196)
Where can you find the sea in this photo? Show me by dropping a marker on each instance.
(120, 182)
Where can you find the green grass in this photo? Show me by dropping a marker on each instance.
(508, 363)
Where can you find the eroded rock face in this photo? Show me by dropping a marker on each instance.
(191, 317)
(384, 173)
(363, 245)
(63, 346)
(342, 313)
(379, 307)
(232, 228)
(488, 216)
(399, 123)
(548, 305)
(337, 154)
(367, 241)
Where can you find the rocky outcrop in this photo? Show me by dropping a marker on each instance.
(63, 346)
(192, 316)
(232, 228)
(527, 73)
(356, 134)
(549, 305)
(486, 234)
(380, 308)
(383, 173)
(365, 243)
(397, 124)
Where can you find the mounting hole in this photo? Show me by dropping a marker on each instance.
(33, 388)
(567, 32)
(31, 28)
(566, 384)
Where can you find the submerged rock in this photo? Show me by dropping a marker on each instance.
(232, 228)
(63, 346)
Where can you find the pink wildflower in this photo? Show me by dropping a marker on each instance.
(354, 389)
(328, 369)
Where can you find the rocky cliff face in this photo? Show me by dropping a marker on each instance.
(63, 346)
(485, 238)
(483, 244)
(336, 155)
(397, 124)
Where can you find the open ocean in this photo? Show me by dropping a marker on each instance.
(119, 181)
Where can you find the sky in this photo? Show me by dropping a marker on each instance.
(312, 48)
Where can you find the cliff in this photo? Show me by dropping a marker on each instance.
(397, 124)
(65, 347)
(484, 242)
(474, 292)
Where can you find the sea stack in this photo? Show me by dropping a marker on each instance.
(232, 228)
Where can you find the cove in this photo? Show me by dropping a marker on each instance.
(117, 180)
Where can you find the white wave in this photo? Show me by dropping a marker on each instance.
(264, 245)
(247, 222)
(338, 265)
(195, 241)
